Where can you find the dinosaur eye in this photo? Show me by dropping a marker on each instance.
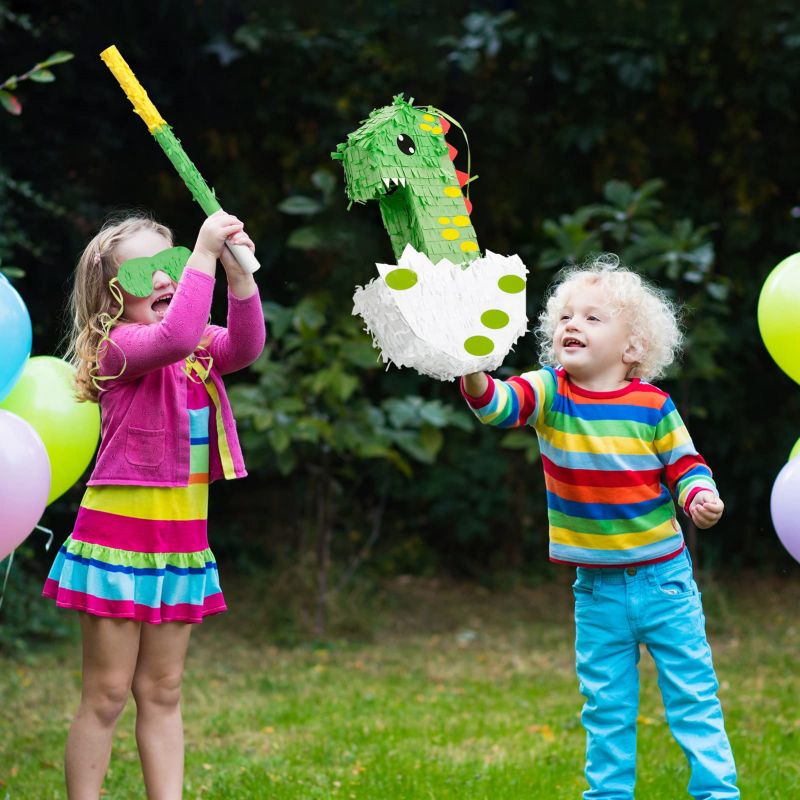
(406, 144)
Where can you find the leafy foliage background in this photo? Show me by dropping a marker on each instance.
(663, 131)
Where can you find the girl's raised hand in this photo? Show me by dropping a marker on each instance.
(240, 280)
(214, 231)
(230, 264)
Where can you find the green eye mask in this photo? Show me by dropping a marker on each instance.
(136, 274)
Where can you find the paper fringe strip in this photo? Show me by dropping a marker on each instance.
(444, 320)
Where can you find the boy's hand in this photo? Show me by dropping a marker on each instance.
(214, 231)
(706, 509)
(476, 384)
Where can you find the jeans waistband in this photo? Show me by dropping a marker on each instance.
(628, 574)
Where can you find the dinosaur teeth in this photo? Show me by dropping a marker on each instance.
(392, 184)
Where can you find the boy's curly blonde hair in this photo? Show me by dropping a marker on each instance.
(652, 317)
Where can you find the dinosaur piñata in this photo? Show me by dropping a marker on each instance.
(429, 312)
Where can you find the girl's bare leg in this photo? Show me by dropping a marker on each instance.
(110, 651)
(157, 690)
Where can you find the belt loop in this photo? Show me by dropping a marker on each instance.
(596, 580)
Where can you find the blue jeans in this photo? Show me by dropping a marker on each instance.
(657, 605)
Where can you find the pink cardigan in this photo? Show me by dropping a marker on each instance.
(145, 422)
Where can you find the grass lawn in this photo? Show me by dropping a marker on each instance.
(454, 692)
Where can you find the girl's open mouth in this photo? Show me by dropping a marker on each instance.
(161, 304)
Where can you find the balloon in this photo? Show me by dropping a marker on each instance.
(15, 336)
(24, 480)
(44, 396)
(795, 450)
(778, 317)
(785, 507)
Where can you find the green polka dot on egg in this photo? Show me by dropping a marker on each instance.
(401, 278)
(511, 284)
(479, 345)
(494, 318)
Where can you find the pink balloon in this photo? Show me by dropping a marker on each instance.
(785, 507)
(24, 480)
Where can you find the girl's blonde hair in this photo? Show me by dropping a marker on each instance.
(652, 317)
(91, 304)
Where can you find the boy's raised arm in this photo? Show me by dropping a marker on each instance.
(504, 404)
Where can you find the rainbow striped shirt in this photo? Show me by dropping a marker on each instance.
(611, 461)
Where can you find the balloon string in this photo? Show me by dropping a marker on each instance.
(107, 322)
(458, 125)
(11, 559)
(5, 581)
(49, 534)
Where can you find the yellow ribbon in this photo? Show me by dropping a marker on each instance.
(223, 446)
(107, 322)
(202, 371)
(458, 125)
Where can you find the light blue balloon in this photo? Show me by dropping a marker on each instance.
(16, 336)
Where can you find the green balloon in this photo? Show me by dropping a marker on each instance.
(44, 396)
(778, 317)
(795, 450)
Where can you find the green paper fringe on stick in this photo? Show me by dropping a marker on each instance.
(171, 146)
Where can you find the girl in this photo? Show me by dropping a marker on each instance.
(137, 564)
(613, 449)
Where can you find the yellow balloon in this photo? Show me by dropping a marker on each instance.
(44, 396)
(779, 315)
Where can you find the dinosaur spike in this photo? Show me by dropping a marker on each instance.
(463, 178)
(445, 125)
(468, 204)
(452, 151)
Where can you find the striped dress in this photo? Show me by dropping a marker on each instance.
(141, 552)
(611, 462)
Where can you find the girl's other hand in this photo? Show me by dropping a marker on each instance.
(214, 231)
(706, 509)
(230, 264)
(240, 281)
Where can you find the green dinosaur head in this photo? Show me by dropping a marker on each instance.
(399, 157)
(396, 148)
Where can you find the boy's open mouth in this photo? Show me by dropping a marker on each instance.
(570, 342)
(161, 304)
